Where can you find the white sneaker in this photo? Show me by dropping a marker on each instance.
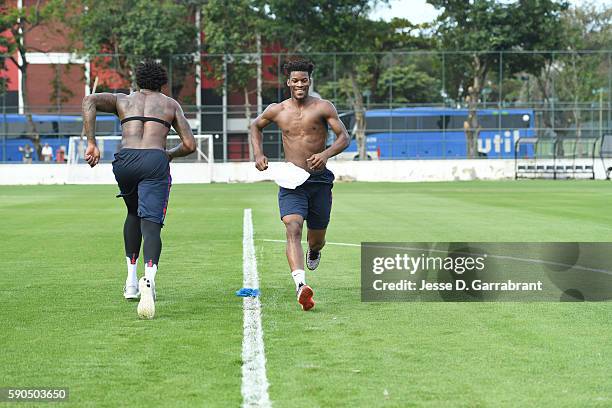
(131, 292)
(146, 306)
(312, 263)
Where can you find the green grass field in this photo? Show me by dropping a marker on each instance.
(65, 323)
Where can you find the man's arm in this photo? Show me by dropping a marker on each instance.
(181, 125)
(317, 161)
(104, 102)
(260, 122)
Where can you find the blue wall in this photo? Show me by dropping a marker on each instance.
(441, 145)
(9, 148)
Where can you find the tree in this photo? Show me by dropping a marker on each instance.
(4, 57)
(582, 77)
(482, 29)
(233, 28)
(127, 31)
(548, 34)
(18, 22)
(409, 84)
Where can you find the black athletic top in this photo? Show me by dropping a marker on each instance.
(147, 119)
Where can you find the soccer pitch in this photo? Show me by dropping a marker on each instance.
(65, 323)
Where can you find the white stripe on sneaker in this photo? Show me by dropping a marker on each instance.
(254, 380)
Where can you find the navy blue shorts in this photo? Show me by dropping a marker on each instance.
(312, 200)
(144, 180)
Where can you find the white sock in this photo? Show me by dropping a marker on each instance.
(150, 271)
(132, 277)
(299, 277)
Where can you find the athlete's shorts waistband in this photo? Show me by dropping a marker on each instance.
(142, 150)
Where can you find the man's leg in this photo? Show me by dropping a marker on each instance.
(152, 246)
(153, 195)
(316, 242)
(132, 238)
(295, 257)
(293, 206)
(316, 239)
(294, 251)
(319, 210)
(151, 250)
(295, 254)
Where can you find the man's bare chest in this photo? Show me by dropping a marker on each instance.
(301, 123)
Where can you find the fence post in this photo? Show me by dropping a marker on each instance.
(391, 61)
(170, 81)
(259, 78)
(609, 91)
(224, 108)
(335, 81)
(279, 93)
(444, 96)
(500, 97)
(553, 94)
(5, 125)
(198, 70)
(501, 80)
(444, 77)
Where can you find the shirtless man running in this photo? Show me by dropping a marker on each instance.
(303, 120)
(141, 168)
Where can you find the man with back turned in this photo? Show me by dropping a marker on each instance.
(142, 169)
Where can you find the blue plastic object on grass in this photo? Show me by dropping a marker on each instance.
(247, 292)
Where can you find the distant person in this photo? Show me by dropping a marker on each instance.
(303, 120)
(141, 168)
(47, 152)
(26, 153)
(60, 155)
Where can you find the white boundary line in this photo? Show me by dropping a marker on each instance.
(254, 381)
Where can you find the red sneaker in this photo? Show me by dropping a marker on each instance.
(304, 296)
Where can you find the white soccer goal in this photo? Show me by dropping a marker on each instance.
(109, 145)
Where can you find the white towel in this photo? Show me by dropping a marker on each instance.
(287, 175)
